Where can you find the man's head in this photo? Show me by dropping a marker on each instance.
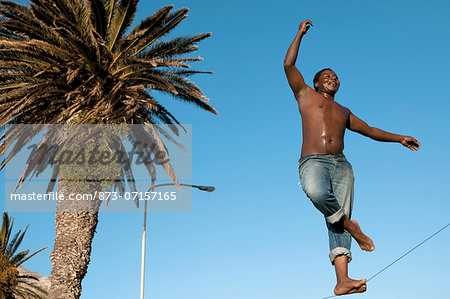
(327, 81)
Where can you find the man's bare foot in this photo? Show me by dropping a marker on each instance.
(363, 241)
(350, 286)
(361, 289)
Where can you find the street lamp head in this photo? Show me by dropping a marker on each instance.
(206, 188)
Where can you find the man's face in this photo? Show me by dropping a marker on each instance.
(328, 82)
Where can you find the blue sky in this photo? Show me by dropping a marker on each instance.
(257, 235)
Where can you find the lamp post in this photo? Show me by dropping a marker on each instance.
(202, 188)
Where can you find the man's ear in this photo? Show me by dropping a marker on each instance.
(316, 85)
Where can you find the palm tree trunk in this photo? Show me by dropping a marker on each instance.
(75, 224)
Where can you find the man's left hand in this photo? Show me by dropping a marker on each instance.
(410, 143)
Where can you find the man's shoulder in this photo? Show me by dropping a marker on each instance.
(307, 94)
(343, 107)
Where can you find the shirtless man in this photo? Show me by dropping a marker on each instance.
(325, 174)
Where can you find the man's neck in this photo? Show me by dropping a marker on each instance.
(327, 96)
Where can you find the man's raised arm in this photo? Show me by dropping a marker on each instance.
(293, 75)
(357, 125)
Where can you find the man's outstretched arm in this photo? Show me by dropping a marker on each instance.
(357, 125)
(293, 75)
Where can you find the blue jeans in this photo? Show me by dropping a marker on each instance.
(328, 182)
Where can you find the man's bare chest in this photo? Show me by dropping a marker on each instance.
(325, 111)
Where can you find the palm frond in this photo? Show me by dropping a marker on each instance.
(98, 11)
(170, 22)
(175, 47)
(146, 26)
(122, 18)
(8, 247)
(110, 8)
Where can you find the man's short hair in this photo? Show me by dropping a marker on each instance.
(316, 77)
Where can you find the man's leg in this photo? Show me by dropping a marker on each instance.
(345, 285)
(343, 185)
(340, 256)
(341, 232)
(331, 196)
(334, 199)
(316, 182)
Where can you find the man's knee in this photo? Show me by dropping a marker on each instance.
(323, 199)
(318, 194)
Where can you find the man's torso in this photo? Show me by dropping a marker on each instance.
(324, 122)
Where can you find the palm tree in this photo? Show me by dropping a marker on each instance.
(76, 62)
(12, 284)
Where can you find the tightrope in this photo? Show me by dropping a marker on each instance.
(401, 256)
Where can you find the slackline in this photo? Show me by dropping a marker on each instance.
(399, 257)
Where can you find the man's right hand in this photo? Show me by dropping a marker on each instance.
(304, 26)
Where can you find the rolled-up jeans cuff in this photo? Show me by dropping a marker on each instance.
(336, 216)
(340, 251)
